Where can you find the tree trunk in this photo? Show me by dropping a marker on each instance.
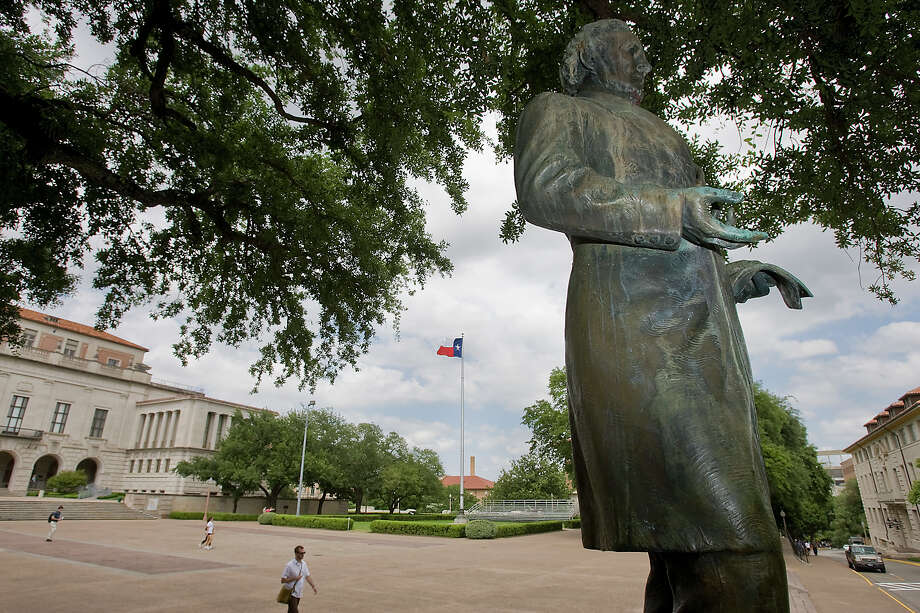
(359, 498)
(319, 507)
(236, 501)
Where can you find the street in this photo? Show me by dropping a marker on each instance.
(902, 581)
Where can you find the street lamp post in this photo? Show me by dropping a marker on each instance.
(303, 452)
(783, 515)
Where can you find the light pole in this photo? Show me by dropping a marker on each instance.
(303, 452)
(783, 515)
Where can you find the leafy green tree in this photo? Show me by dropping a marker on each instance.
(260, 451)
(828, 90)
(849, 515)
(66, 481)
(246, 166)
(328, 436)
(232, 478)
(531, 477)
(548, 420)
(799, 485)
(365, 457)
(411, 479)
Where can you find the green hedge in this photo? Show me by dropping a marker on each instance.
(422, 528)
(480, 529)
(112, 496)
(266, 518)
(504, 529)
(573, 523)
(216, 516)
(312, 521)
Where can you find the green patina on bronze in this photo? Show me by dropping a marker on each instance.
(664, 431)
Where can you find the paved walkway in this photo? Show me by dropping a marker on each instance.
(156, 566)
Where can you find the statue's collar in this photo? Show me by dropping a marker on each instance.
(609, 96)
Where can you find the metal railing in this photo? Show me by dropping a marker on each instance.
(523, 510)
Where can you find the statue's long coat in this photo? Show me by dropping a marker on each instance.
(664, 431)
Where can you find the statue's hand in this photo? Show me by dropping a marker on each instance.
(708, 218)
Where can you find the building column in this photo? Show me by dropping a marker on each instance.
(140, 429)
(149, 425)
(164, 440)
(172, 440)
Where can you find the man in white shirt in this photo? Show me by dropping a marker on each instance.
(53, 520)
(294, 575)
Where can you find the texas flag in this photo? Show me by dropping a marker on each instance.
(452, 352)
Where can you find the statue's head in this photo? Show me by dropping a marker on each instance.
(605, 55)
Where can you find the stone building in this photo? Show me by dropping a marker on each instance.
(885, 467)
(80, 398)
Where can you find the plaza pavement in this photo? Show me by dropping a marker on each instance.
(136, 566)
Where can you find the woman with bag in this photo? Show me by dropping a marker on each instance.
(293, 577)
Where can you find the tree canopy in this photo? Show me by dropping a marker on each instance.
(531, 477)
(849, 514)
(799, 485)
(246, 167)
(548, 420)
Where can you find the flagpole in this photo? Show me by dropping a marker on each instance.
(462, 453)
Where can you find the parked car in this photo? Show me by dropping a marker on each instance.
(864, 556)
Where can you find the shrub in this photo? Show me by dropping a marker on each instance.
(480, 529)
(66, 482)
(215, 516)
(112, 496)
(575, 522)
(422, 528)
(504, 529)
(266, 518)
(312, 521)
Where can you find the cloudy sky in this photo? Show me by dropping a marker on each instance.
(841, 359)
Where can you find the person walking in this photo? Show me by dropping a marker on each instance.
(293, 578)
(208, 535)
(53, 519)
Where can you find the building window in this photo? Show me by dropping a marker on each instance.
(70, 348)
(158, 467)
(166, 468)
(149, 462)
(59, 418)
(113, 362)
(28, 337)
(221, 422)
(131, 466)
(17, 411)
(207, 430)
(98, 423)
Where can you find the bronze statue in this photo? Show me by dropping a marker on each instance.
(664, 431)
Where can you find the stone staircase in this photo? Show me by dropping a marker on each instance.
(31, 508)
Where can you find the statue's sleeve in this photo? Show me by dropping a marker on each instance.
(558, 189)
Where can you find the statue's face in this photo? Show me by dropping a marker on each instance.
(623, 66)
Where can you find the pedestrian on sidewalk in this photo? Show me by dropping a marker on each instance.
(53, 519)
(293, 577)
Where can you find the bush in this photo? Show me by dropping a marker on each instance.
(215, 516)
(266, 518)
(66, 482)
(422, 528)
(480, 529)
(575, 522)
(112, 496)
(312, 521)
(504, 529)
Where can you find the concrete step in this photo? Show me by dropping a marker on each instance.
(31, 509)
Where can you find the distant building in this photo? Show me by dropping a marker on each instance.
(884, 462)
(472, 483)
(832, 461)
(82, 399)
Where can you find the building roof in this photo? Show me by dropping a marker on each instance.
(470, 482)
(63, 324)
(890, 418)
